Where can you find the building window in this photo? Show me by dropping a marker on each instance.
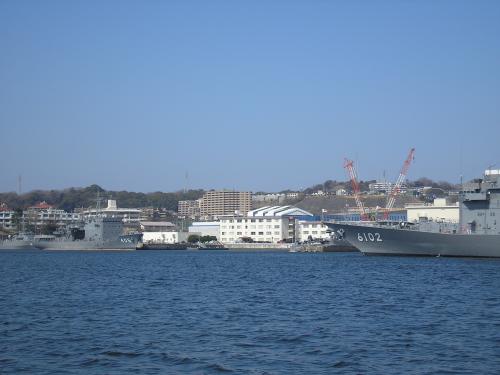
(261, 233)
(252, 233)
(276, 226)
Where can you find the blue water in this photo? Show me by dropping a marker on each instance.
(247, 313)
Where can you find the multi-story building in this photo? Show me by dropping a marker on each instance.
(43, 213)
(6, 217)
(156, 214)
(385, 187)
(223, 202)
(189, 208)
(267, 224)
(157, 226)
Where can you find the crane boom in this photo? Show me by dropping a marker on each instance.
(401, 178)
(349, 166)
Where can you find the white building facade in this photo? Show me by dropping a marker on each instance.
(270, 224)
(43, 213)
(7, 219)
(311, 230)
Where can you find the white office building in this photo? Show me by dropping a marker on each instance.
(271, 224)
(6, 218)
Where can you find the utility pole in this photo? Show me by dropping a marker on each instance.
(19, 185)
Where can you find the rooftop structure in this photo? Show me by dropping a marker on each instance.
(440, 210)
(278, 211)
(128, 215)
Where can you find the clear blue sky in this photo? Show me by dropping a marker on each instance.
(250, 95)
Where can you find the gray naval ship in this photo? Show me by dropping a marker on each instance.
(98, 233)
(476, 235)
(20, 241)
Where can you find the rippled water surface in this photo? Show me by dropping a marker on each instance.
(247, 313)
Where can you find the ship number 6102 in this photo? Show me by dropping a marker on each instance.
(371, 237)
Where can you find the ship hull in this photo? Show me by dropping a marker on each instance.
(126, 242)
(17, 245)
(389, 241)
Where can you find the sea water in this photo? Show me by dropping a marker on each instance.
(211, 312)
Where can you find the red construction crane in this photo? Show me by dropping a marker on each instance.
(349, 165)
(395, 190)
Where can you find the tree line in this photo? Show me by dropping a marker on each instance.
(333, 185)
(69, 199)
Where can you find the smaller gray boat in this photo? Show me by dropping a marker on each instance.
(162, 246)
(99, 233)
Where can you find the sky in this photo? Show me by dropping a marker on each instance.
(255, 95)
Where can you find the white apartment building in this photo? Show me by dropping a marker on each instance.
(270, 224)
(385, 187)
(43, 213)
(189, 208)
(6, 219)
(268, 197)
